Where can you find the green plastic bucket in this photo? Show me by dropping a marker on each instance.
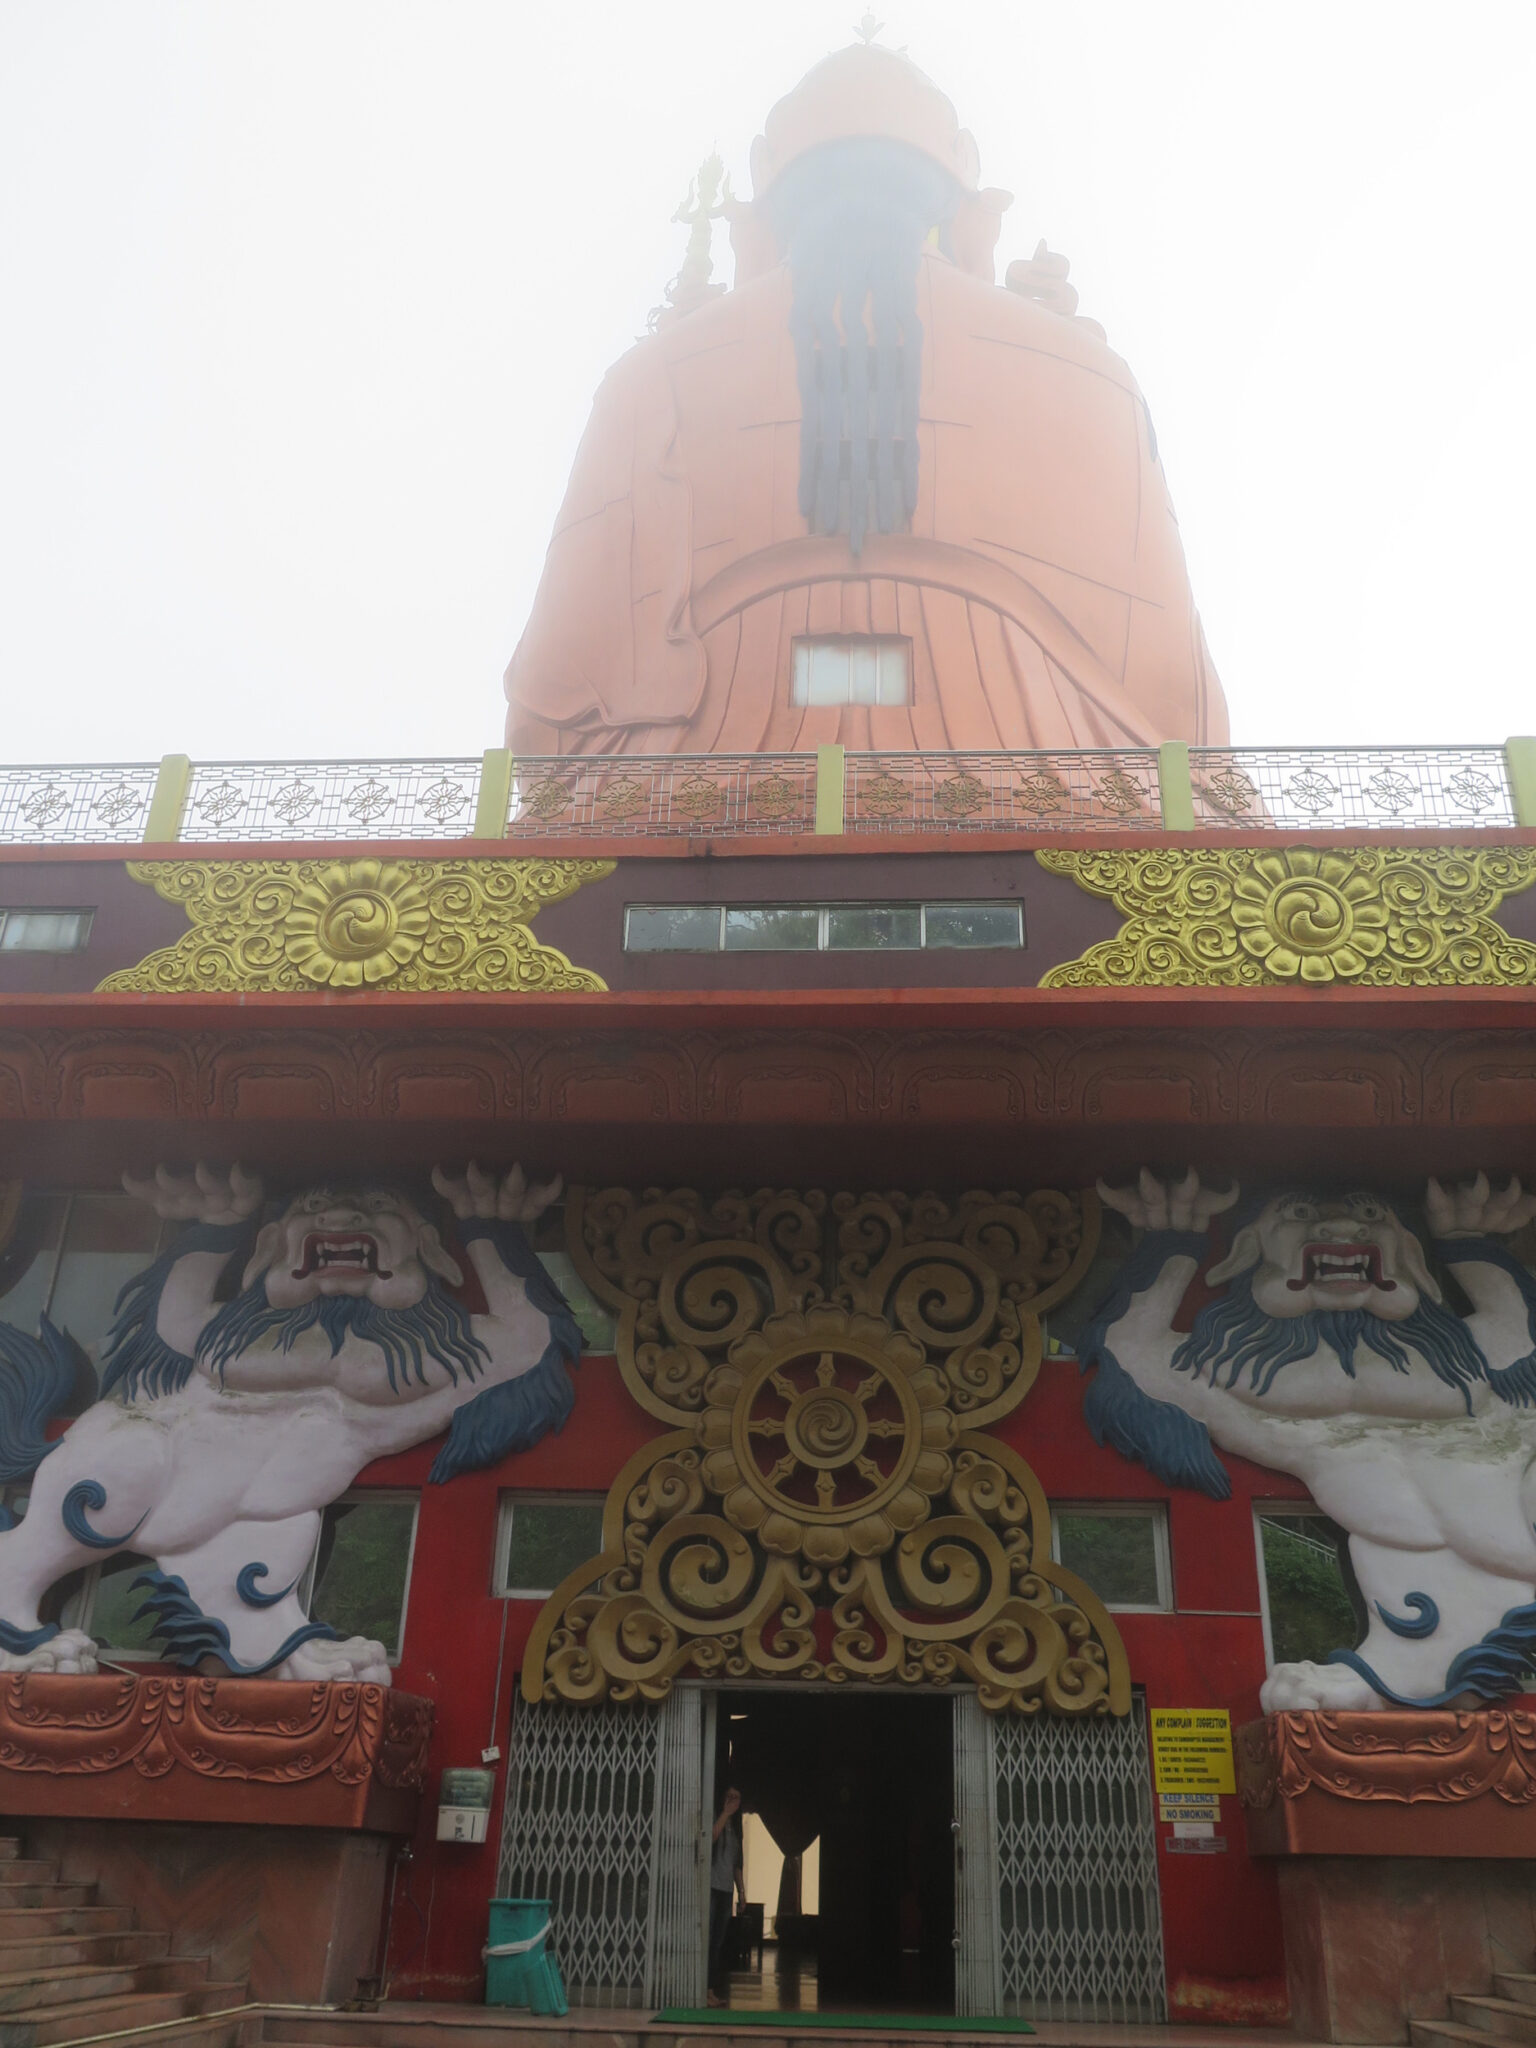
(526, 1974)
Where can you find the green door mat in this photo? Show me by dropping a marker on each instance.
(838, 2022)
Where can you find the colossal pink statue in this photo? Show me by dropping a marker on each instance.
(867, 495)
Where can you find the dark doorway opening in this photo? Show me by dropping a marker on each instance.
(866, 1781)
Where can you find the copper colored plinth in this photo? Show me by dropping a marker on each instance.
(1390, 1784)
(246, 1750)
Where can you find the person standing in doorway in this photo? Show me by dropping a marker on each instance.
(726, 1879)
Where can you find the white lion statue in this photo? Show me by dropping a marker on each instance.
(226, 1427)
(1331, 1354)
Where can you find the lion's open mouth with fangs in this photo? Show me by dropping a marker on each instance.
(337, 1251)
(1341, 1265)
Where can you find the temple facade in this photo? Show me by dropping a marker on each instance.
(868, 1215)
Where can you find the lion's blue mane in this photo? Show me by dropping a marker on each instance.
(1232, 1336)
(501, 1419)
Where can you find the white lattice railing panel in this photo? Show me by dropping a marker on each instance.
(663, 795)
(76, 806)
(1460, 788)
(234, 801)
(1081, 1930)
(578, 1830)
(1071, 792)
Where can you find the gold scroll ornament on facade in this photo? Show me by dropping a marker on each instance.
(345, 925)
(828, 1504)
(1241, 917)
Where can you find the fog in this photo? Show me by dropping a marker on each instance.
(307, 299)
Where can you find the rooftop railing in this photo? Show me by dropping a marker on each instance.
(713, 796)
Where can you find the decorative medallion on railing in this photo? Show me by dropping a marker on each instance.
(1373, 917)
(828, 1505)
(263, 925)
(76, 806)
(1001, 792)
(642, 796)
(235, 802)
(1262, 788)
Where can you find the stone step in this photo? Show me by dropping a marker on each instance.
(35, 1923)
(229, 2027)
(28, 1870)
(51, 1952)
(1506, 2017)
(14, 1895)
(10, 1848)
(1516, 1984)
(81, 1982)
(50, 2026)
(1445, 2034)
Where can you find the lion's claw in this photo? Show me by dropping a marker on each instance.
(205, 1195)
(478, 1193)
(1154, 1204)
(1476, 1210)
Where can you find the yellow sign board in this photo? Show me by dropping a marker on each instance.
(1192, 1749)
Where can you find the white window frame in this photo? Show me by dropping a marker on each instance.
(1292, 1510)
(886, 646)
(1153, 1511)
(507, 1503)
(823, 923)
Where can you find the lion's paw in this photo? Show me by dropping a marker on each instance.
(70, 1651)
(1327, 1688)
(352, 1660)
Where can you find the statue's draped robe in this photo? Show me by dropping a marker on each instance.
(1042, 585)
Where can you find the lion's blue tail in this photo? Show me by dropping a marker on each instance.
(37, 1377)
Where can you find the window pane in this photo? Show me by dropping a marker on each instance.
(864, 665)
(780, 930)
(548, 1539)
(596, 1322)
(110, 1238)
(26, 1260)
(1310, 1611)
(972, 924)
(895, 672)
(361, 1569)
(115, 1604)
(673, 928)
(1116, 1554)
(862, 926)
(44, 931)
(828, 672)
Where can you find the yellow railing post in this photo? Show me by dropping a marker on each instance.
(829, 788)
(495, 794)
(169, 799)
(1520, 760)
(1174, 787)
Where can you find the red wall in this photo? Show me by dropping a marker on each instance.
(1220, 1913)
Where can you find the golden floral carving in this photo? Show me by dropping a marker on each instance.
(971, 1595)
(356, 924)
(967, 1280)
(1367, 916)
(828, 1509)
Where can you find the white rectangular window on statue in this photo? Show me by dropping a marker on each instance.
(849, 670)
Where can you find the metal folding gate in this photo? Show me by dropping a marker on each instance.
(1079, 1930)
(1056, 1906)
(604, 1818)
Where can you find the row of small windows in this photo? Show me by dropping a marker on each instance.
(820, 927)
(44, 931)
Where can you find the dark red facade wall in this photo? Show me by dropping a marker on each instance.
(1220, 1913)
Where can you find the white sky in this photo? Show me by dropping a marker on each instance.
(306, 301)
